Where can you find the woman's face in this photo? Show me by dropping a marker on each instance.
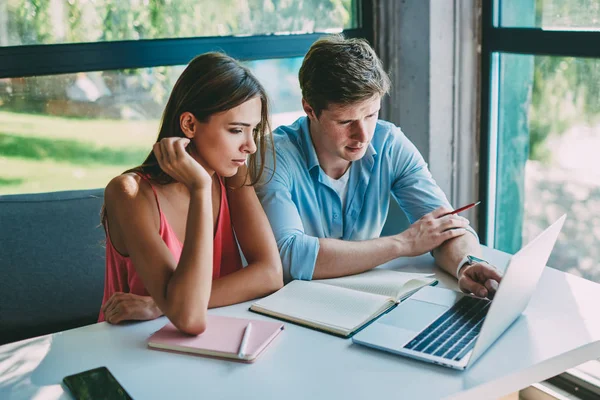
(224, 142)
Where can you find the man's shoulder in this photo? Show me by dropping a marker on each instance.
(386, 128)
(387, 134)
(287, 139)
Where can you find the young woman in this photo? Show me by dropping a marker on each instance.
(170, 242)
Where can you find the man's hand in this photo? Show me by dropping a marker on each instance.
(431, 230)
(481, 279)
(127, 306)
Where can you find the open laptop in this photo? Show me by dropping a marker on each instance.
(452, 329)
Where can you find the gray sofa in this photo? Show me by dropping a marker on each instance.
(51, 262)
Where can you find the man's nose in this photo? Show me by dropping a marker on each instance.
(360, 131)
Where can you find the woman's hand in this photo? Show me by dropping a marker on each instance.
(430, 231)
(127, 306)
(175, 161)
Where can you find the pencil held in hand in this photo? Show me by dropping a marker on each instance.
(464, 208)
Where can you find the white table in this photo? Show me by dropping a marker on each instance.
(559, 330)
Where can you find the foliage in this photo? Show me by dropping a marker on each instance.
(73, 21)
(49, 22)
(565, 90)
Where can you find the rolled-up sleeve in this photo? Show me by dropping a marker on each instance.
(413, 187)
(298, 251)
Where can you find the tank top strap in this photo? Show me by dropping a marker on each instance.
(145, 178)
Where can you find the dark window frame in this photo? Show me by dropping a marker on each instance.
(51, 59)
(526, 41)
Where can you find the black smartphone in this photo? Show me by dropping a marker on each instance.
(97, 383)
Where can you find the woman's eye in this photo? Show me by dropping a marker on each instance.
(235, 130)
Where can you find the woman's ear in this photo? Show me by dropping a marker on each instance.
(188, 124)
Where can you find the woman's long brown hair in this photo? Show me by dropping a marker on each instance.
(211, 83)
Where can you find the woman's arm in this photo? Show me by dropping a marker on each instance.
(263, 275)
(181, 290)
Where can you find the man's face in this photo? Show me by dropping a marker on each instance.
(342, 133)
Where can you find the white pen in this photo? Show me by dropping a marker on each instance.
(242, 350)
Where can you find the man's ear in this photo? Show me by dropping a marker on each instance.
(310, 112)
(188, 124)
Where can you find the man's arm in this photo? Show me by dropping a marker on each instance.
(450, 253)
(417, 193)
(308, 257)
(341, 257)
(481, 279)
(297, 250)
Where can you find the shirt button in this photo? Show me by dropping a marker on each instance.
(335, 216)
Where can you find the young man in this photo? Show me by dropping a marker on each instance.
(328, 198)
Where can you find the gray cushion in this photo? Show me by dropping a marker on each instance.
(51, 261)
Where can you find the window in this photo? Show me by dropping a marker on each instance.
(540, 132)
(548, 126)
(83, 83)
(27, 22)
(77, 131)
(552, 14)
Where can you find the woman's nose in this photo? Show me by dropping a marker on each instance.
(249, 145)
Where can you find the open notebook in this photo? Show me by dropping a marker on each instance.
(342, 306)
(222, 338)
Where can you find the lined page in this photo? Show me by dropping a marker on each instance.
(383, 282)
(324, 305)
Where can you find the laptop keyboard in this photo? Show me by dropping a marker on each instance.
(453, 334)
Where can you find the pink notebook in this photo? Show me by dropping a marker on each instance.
(221, 338)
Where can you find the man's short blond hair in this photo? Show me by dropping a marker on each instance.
(341, 71)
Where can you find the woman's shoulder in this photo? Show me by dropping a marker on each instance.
(127, 188)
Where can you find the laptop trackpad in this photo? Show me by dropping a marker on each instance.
(413, 315)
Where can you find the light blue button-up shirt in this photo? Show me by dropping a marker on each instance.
(302, 207)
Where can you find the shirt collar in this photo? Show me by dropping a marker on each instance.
(309, 149)
(307, 145)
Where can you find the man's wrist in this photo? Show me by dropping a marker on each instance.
(467, 261)
(461, 264)
(400, 246)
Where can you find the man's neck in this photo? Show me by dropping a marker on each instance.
(336, 172)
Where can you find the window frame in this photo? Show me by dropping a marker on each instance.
(52, 59)
(496, 40)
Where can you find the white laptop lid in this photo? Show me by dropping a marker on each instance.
(517, 286)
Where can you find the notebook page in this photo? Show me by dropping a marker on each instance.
(324, 304)
(383, 282)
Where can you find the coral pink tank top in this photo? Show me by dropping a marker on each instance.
(121, 276)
